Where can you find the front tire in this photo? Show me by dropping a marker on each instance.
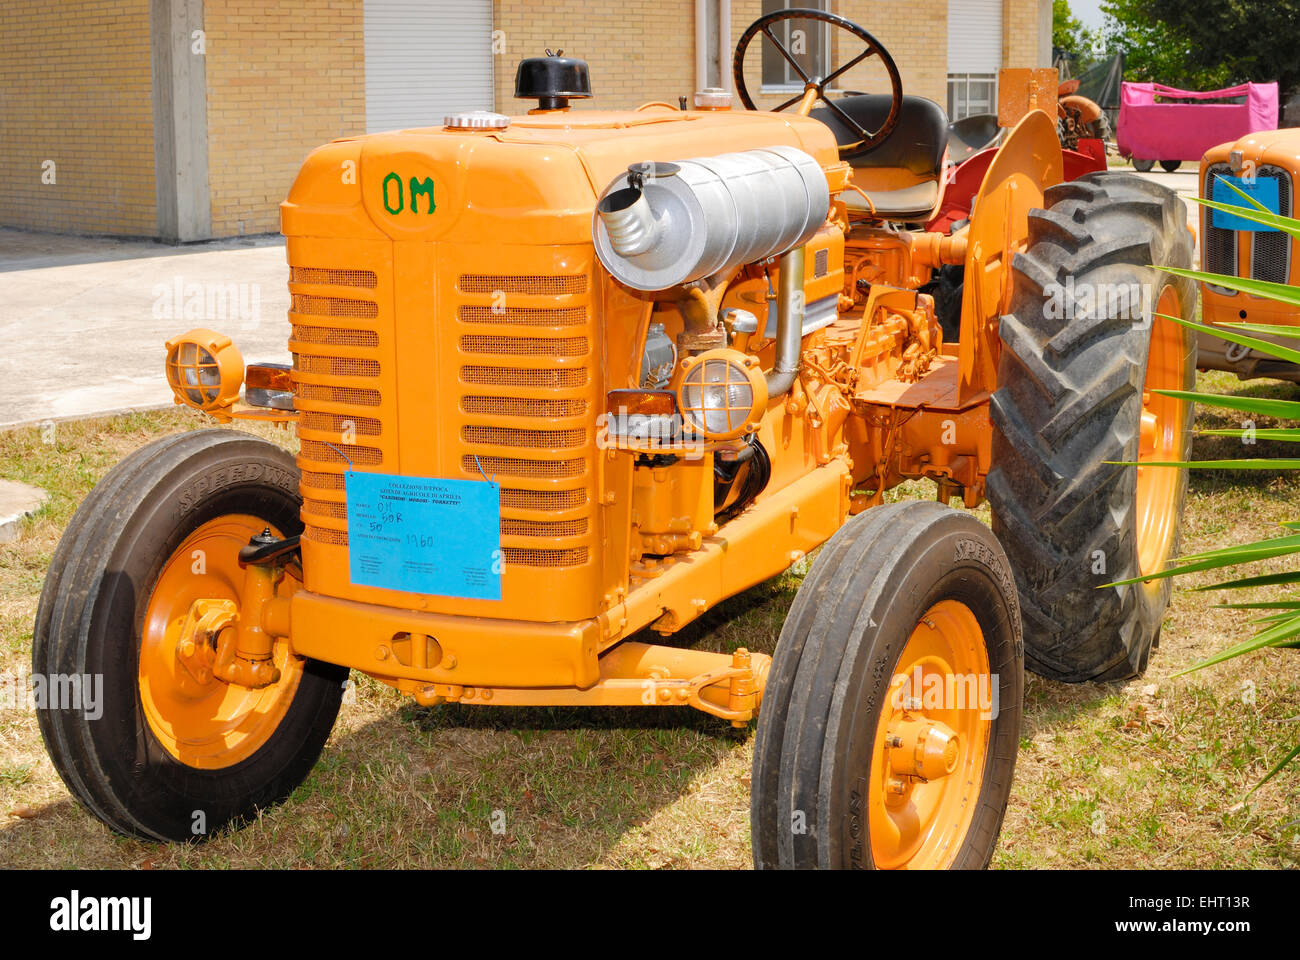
(157, 758)
(901, 595)
(1082, 354)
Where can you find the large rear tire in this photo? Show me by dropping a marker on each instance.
(157, 756)
(1075, 400)
(904, 600)
(1099, 129)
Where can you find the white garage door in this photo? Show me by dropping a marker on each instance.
(425, 60)
(974, 36)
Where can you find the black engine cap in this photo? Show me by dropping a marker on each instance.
(552, 80)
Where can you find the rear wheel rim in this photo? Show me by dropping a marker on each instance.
(924, 825)
(214, 725)
(1162, 429)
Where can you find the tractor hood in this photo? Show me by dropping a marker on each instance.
(536, 181)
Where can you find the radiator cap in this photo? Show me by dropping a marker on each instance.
(476, 120)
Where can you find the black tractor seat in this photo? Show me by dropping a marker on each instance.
(903, 175)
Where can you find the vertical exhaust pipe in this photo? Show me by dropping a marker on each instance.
(789, 323)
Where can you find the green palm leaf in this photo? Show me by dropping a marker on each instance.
(1263, 580)
(1259, 213)
(1227, 557)
(1288, 434)
(1265, 638)
(1279, 463)
(1275, 329)
(1264, 407)
(1263, 215)
(1226, 333)
(1282, 763)
(1262, 605)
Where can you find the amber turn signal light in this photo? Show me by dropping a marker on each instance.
(643, 402)
(269, 385)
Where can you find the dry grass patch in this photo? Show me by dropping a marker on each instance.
(1149, 773)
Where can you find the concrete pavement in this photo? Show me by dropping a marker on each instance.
(1182, 181)
(83, 320)
(17, 500)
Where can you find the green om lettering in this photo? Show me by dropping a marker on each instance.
(418, 188)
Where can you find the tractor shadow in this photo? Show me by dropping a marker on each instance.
(551, 786)
(402, 786)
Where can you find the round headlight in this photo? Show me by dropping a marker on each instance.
(204, 370)
(721, 394)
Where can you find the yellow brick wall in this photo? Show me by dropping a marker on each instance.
(75, 87)
(282, 79)
(636, 52)
(1020, 33)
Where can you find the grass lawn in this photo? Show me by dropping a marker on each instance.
(1151, 773)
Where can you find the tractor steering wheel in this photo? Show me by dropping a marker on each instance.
(814, 88)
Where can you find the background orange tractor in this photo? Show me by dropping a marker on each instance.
(568, 379)
(1266, 165)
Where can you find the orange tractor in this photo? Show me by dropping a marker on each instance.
(566, 380)
(1265, 165)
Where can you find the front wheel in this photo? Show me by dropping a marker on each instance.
(891, 717)
(1143, 166)
(160, 752)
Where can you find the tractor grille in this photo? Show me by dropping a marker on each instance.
(1270, 251)
(334, 278)
(517, 404)
(525, 371)
(338, 370)
(1218, 246)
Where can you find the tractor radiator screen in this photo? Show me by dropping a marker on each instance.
(1270, 252)
(525, 351)
(1218, 245)
(518, 406)
(336, 342)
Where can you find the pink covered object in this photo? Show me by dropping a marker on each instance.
(1184, 131)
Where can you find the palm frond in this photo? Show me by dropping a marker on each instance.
(1262, 406)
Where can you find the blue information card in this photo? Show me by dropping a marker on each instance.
(1262, 189)
(425, 535)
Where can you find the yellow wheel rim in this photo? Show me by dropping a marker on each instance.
(211, 725)
(941, 684)
(1163, 427)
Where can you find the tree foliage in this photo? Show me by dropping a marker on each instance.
(1206, 44)
(1070, 35)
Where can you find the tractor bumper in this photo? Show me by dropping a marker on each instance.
(442, 658)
